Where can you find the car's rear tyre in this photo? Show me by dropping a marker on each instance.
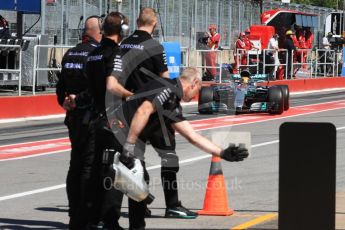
(286, 96)
(276, 100)
(206, 98)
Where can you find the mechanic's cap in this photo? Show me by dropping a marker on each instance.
(245, 73)
(247, 30)
(289, 32)
(212, 26)
(242, 34)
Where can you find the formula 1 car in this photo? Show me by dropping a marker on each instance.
(241, 94)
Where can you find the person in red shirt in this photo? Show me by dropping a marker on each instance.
(309, 37)
(241, 53)
(301, 52)
(295, 43)
(213, 37)
(211, 56)
(294, 39)
(249, 44)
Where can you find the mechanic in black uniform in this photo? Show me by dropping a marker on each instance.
(157, 106)
(289, 46)
(72, 81)
(144, 59)
(101, 64)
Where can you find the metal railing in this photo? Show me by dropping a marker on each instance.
(218, 59)
(17, 48)
(36, 68)
(305, 60)
(323, 60)
(319, 62)
(185, 51)
(248, 54)
(339, 62)
(277, 61)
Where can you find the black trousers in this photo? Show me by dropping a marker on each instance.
(106, 202)
(158, 139)
(79, 173)
(289, 66)
(169, 168)
(137, 210)
(169, 163)
(89, 201)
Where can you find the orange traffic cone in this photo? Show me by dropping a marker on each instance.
(216, 199)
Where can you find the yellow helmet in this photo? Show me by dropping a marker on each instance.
(289, 32)
(245, 76)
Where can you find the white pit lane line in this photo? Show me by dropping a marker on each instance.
(55, 187)
(209, 128)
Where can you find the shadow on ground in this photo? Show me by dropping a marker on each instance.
(15, 224)
(53, 209)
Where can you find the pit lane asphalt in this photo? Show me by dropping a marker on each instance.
(252, 184)
(17, 132)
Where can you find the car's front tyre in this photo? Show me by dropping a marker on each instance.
(206, 99)
(276, 100)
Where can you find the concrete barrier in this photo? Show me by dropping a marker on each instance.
(44, 105)
(29, 106)
(302, 85)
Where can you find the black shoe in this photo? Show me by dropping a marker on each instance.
(113, 228)
(95, 227)
(111, 225)
(73, 225)
(180, 212)
(117, 227)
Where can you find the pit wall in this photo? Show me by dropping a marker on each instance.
(45, 105)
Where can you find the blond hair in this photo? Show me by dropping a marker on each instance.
(190, 74)
(147, 17)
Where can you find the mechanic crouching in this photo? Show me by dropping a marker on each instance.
(160, 109)
(144, 59)
(73, 81)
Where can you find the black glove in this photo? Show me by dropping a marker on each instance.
(127, 157)
(234, 153)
